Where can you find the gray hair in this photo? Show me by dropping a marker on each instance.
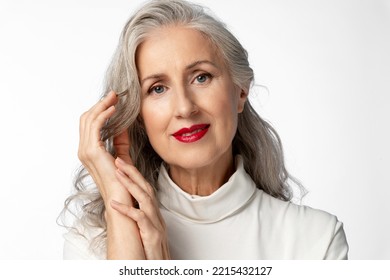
(255, 140)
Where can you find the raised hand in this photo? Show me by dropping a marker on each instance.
(92, 152)
(123, 238)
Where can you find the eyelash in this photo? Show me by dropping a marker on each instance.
(154, 87)
(207, 75)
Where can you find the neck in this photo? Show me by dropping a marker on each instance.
(205, 180)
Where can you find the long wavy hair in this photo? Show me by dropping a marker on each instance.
(255, 140)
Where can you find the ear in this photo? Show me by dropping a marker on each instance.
(243, 94)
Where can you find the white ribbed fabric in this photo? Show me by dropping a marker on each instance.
(238, 221)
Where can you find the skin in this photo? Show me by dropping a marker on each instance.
(123, 239)
(184, 82)
(131, 233)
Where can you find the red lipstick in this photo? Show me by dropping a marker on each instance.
(191, 134)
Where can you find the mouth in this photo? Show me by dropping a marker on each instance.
(191, 134)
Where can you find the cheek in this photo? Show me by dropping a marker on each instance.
(155, 116)
(228, 104)
(232, 111)
(149, 121)
(225, 109)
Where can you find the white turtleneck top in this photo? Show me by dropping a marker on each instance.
(238, 221)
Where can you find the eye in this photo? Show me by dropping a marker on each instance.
(203, 78)
(157, 89)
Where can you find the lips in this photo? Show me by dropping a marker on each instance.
(191, 134)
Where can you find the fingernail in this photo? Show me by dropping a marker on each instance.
(120, 161)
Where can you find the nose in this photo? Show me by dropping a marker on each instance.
(185, 106)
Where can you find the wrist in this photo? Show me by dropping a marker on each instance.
(117, 192)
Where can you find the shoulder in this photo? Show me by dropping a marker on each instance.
(78, 243)
(288, 211)
(320, 232)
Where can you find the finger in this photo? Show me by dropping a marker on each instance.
(137, 178)
(107, 101)
(145, 201)
(133, 173)
(136, 214)
(88, 117)
(151, 237)
(122, 146)
(139, 181)
(90, 137)
(140, 217)
(100, 120)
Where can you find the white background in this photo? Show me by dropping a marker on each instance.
(326, 65)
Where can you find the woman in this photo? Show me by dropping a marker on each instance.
(182, 165)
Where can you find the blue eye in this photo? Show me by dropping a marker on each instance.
(202, 78)
(157, 89)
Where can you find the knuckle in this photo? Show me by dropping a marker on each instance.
(148, 199)
(141, 216)
(149, 189)
(145, 199)
(95, 125)
(83, 116)
(80, 155)
(101, 118)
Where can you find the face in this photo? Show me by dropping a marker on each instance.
(189, 103)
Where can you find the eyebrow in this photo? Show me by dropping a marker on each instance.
(188, 67)
(196, 63)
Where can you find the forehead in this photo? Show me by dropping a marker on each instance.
(175, 46)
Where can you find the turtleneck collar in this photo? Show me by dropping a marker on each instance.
(222, 203)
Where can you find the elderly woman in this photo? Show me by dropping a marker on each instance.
(182, 165)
